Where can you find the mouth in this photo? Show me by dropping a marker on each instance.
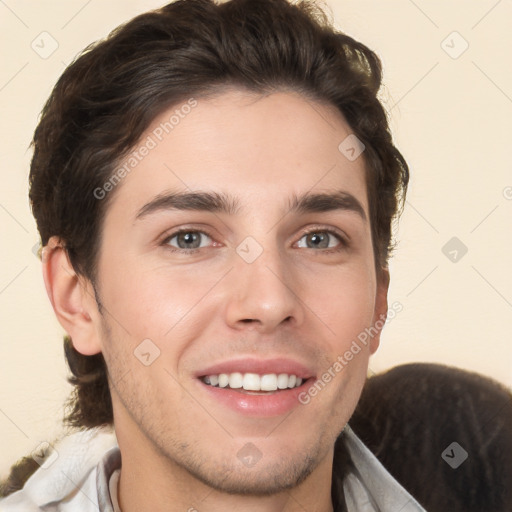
(256, 387)
(253, 383)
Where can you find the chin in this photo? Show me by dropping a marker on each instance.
(259, 480)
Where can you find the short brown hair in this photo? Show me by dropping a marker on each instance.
(108, 96)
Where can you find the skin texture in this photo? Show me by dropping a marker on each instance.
(296, 300)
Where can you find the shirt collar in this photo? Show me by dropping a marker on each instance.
(369, 487)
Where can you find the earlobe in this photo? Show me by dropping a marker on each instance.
(381, 308)
(71, 300)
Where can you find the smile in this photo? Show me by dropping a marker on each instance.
(256, 387)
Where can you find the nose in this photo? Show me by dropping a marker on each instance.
(263, 294)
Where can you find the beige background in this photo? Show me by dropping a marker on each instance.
(450, 117)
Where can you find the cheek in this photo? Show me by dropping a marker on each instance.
(153, 302)
(343, 300)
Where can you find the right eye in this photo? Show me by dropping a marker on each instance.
(186, 240)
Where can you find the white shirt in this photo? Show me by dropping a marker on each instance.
(84, 477)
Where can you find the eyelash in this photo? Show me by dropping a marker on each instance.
(343, 241)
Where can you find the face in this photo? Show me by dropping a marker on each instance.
(238, 252)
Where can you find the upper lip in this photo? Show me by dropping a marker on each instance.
(259, 366)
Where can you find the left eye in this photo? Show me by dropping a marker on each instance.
(187, 239)
(321, 239)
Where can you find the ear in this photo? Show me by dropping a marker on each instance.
(72, 298)
(381, 308)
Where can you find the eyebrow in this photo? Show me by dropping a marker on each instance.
(223, 203)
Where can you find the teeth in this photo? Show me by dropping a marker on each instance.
(223, 380)
(253, 381)
(282, 381)
(268, 382)
(235, 380)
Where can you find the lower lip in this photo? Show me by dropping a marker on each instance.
(272, 404)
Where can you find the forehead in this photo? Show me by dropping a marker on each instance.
(259, 150)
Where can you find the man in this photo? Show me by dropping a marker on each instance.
(214, 186)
